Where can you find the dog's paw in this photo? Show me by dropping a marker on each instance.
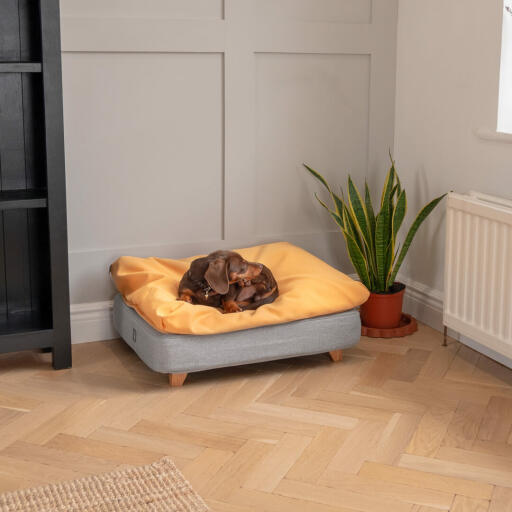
(185, 298)
(231, 307)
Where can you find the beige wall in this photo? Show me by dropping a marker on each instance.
(446, 107)
(187, 122)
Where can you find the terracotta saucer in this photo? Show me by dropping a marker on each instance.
(407, 326)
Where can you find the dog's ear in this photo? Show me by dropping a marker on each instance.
(197, 269)
(217, 276)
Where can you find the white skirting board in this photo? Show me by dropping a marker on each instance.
(93, 321)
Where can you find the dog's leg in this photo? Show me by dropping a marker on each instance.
(264, 296)
(336, 355)
(177, 379)
(230, 306)
(186, 296)
(244, 304)
(246, 293)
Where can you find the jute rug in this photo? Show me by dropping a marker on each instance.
(157, 487)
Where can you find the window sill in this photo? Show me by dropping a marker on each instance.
(485, 133)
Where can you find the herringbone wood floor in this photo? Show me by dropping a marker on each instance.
(398, 425)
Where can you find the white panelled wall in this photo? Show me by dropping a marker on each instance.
(448, 67)
(187, 122)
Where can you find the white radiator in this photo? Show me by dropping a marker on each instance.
(478, 270)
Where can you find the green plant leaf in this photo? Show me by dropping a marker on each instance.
(388, 186)
(335, 198)
(322, 203)
(389, 262)
(357, 258)
(392, 196)
(398, 184)
(318, 176)
(422, 215)
(395, 256)
(337, 219)
(398, 214)
(334, 215)
(348, 222)
(369, 256)
(359, 215)
(351, 227)
(370, 211)
(338, 202)
(382, 245)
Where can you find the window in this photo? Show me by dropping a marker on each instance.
(505, 101)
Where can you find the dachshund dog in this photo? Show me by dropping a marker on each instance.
(258, 291)
(212, 280)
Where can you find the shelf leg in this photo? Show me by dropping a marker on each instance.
(61, 357)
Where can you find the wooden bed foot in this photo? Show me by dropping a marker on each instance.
(336, 355)
(177, 379)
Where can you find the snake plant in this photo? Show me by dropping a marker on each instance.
(371, 237)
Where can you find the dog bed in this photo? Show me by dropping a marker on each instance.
(314, 313)
(180, 354)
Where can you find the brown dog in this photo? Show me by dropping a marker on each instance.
(211, 280)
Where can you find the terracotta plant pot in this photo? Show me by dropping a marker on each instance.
(384, 310)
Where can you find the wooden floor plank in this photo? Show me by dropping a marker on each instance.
(430, 432)
(359, 446)
(235, 472)
(321, 405)
(104, 450)
(473, 458)
(205, 439)
(60, 459)
(242, 431)
(316, 457)
(501, 500)
(395, 438)
(334, 497)
(465, 504)
(305, 415)
(496, 424)
(458, 469)
(276, 464)
(427, 480)
(205, 466)
(464, 426)
(397, 491)
(263, 501)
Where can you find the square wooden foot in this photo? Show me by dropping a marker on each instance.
(177, 379)
(336, 355)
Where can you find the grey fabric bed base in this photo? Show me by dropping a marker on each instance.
(182, 353)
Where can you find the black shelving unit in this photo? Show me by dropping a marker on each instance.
(34, 289)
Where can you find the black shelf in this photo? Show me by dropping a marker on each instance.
(20, 67)
(24, 321)
(34, 288)
(14, 199)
